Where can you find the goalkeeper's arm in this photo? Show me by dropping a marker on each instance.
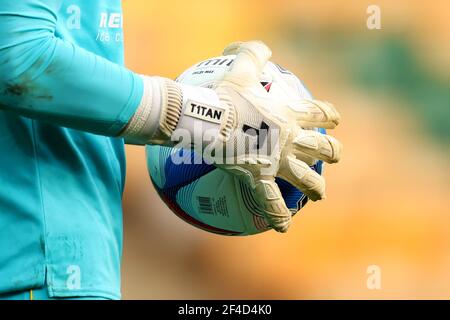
(49, 79)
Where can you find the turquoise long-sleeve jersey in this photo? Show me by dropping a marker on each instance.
(64, 95)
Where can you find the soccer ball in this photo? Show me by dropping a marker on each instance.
(205, 196)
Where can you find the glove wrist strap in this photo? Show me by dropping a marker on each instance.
(158, 113)
(170, 112)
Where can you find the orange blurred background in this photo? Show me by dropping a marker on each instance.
(387, 200)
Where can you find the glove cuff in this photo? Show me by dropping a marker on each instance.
(158, 113)
(167, 106)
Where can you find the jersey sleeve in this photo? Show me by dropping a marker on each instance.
(49, 79)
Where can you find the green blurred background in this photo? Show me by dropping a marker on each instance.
(387, 200)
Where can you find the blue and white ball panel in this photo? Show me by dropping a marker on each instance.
(206, 196)
(212, 199)
(165, 170)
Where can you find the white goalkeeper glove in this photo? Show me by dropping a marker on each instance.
(243, 129)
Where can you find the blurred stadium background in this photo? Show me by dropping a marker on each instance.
(388, 200)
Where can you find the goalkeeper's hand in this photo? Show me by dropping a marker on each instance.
(253, 136)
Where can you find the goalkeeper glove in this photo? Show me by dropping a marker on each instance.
(227, 112)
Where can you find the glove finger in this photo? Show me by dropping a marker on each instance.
(300, 175)
(315, 113)
(269, 196)
(251, 57)
(309, 160)
(232, 48)
(320, 146)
